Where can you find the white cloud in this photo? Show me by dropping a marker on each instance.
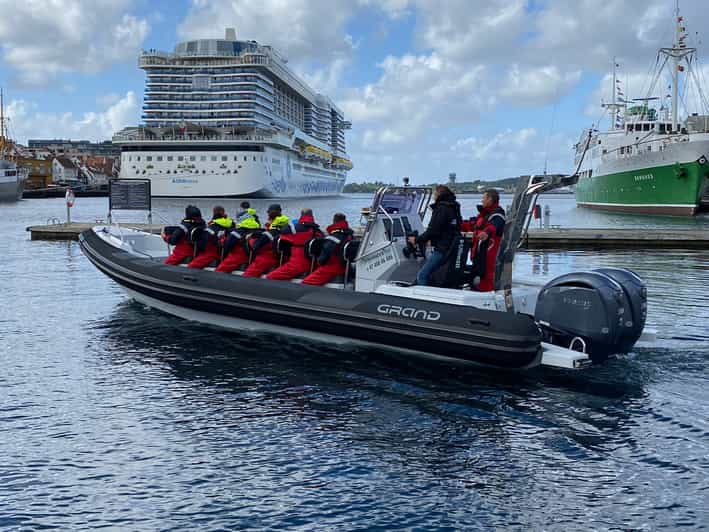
(303, 30)
(41, 39)
(537, 86)
(30, 122)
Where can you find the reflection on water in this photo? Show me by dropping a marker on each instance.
(119, 416)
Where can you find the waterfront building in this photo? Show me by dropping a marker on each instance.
(228, 117)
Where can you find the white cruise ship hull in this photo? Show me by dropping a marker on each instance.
(223, 172)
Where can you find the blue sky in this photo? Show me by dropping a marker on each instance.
(484, 89)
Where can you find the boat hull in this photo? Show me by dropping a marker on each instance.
(11, 190)
(634, 186)
(460, 334)
(223, 171)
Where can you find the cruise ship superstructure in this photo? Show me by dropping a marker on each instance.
(228, 118)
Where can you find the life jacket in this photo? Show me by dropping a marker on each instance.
(338, 234)
(484, 253)
(192, 228)
(258, 244)
(218, 228)
(249, 221)
(298, 234)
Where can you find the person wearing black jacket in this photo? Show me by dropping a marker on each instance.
(442, 231)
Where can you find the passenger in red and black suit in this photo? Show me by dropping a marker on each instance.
(487, 228)
(330, 264)
(297, 235)
(180, 236)
(265, 257)
(208, 244)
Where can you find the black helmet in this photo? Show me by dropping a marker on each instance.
(245, 205)
(275, 207)
(192, 212)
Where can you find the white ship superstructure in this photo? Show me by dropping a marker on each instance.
(226, 118)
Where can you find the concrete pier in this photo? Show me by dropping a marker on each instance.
(555, 238)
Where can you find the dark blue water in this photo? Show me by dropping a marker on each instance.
(117, 416)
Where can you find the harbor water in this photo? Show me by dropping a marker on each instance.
(117, 416)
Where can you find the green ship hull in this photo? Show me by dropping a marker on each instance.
(675, 189)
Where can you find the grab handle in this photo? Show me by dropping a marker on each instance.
(191, 278)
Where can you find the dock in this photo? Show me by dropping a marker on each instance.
(70, 231)
(612, 238)
(553, 238)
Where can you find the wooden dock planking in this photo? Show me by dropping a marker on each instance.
(612, 238)
(71, 231)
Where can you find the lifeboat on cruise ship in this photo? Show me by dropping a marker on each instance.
(315, 152)
(341, 162)
(570, 322)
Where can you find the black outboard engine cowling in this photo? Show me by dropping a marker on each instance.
(636, 292)
(593, 311)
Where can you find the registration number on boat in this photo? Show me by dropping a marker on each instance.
(381, 257)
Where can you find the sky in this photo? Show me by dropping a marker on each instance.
(486, 89)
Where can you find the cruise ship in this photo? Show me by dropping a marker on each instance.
(229, 118)
(650, 161)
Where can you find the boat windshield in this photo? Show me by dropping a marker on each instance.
(403, 200)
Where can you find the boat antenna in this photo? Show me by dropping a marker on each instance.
(551, 130)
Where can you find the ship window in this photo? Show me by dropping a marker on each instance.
(192, 158)
(214, 157)
(224, 157)
(159, 157)
(254, 158)
(203, 158)
(130, 158)
(180, 158)
(236, 158)
(649, 148)
(149, 158)
(169, 157)
(245, 158)
(137, 158)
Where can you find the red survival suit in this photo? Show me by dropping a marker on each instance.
(483, 254)
(208, 249)
(235, 250)
(297, 235)
(329, 262)
(180, 237)
(264, 256)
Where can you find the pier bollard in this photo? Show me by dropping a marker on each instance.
(70, 199)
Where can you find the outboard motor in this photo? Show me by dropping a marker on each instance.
(636, 292)
(601, 312)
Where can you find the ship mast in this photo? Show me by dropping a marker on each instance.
(678, 51)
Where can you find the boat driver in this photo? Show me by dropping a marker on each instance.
(264, 256)
(180, 236)
(442, 231)
(208, 244)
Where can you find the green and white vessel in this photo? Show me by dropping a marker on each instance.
(650, 162)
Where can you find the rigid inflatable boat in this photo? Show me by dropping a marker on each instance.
(573, 320)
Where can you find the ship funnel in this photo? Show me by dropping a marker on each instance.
(230, 34)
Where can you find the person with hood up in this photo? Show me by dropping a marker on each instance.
(208, 245)
(181, 235)
(246, 212)
(442, 231)
(330, 264)
(297, 235)
(264, 256)
(235, 251)
(487, 228)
